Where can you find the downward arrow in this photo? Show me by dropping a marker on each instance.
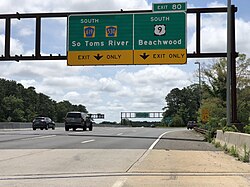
(98, 57)
(144, 56)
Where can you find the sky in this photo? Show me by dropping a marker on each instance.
(110, 89)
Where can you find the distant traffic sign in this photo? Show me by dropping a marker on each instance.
(204, 115)
(152, 38)
(142, 115)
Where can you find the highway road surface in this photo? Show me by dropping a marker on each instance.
(115, 157)
(99, 138)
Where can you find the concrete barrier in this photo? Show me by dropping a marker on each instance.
(21, 125)
(239, 140)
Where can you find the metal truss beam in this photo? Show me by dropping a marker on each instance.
(39, 16)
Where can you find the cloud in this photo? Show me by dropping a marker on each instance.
(16, 46)
(71, 96)
(242, 31)
(155, 75)
(73, 5)
(216, 4)
(26, 32)
(109, 85)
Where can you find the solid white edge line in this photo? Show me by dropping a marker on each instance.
(119, 134)
(158, 139)
(87, 141)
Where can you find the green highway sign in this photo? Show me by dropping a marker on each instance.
(100, 39)
(105, 32)
(160, 31)
(160, 38)
(151, 38)
(141, 115)
(159, 7)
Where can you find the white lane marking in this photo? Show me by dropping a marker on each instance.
(40, 137)
(156, 141)
(119, 134)
(87, 141)
(119, 183)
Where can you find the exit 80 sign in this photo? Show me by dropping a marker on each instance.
(158, 7)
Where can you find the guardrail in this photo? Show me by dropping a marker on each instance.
(23, 125)
(200, 130)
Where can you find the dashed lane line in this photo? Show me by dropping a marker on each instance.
(88, 141)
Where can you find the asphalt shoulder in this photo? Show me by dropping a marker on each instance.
(185, 140)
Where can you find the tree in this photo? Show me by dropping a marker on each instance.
(214, 86)
(244, 105)
(21, 104)
(243, 71)
(61, 110)
(13, 106)
(215, 80)
(81, 108)
(45, 106)
(184, 103)
(177, 122)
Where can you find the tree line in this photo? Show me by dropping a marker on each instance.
(21, 104)
(183, 105)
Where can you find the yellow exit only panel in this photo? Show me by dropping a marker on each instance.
(168, 56)
(111, 57)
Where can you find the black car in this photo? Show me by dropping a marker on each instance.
(191, 124)
(43, 123)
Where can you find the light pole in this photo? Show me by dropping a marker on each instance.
(199, 79)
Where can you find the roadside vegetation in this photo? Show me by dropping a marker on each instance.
(21, 104)
(183, 105)
(233, 151)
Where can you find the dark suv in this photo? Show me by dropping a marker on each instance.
(191, 124)
(76, 120)
(43, 123)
